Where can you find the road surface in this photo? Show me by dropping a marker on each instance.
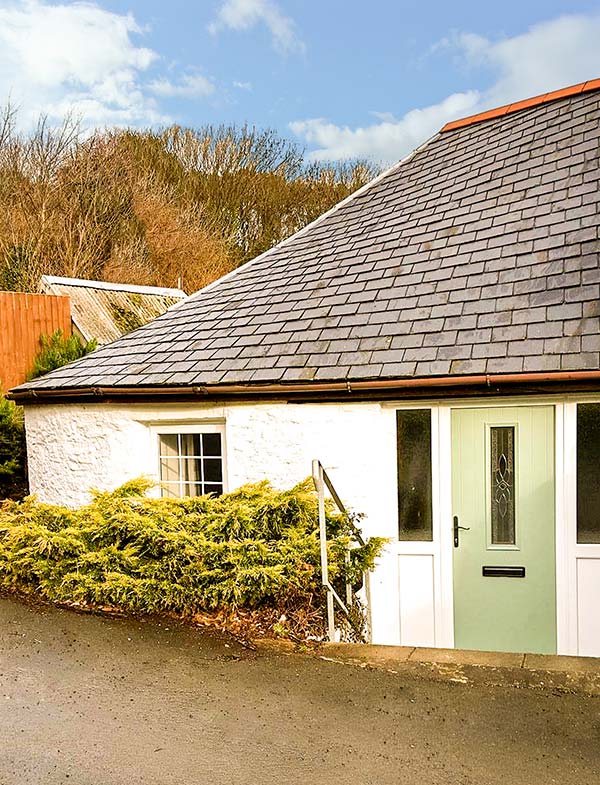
(98, 701)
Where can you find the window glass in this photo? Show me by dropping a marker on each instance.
(191, 469)
(171, 490)
(588, 473)
(213, 470)
(502, 479)
(168, 444)
(415, 515)
(191, 464)
(169, 469)
(211, 444)
(190, 444)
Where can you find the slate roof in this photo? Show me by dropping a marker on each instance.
(478, 254)
(106, 311)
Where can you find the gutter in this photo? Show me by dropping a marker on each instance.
(282, 389)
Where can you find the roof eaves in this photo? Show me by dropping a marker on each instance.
(28, 394)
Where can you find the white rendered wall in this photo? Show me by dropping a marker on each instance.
(73, 448)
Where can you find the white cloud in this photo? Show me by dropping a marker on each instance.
(386, 140)
(58, 58)
(548, 56)
(243, 85)
(78, 58)
(246, 14)
(189, 86)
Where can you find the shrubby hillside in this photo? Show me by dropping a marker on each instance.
(153, 206)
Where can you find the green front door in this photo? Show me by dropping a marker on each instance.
(504, 557)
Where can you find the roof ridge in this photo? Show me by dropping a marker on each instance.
(59, 280)
(517, 106)
(363, 189)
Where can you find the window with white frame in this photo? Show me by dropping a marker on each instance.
(191, 462)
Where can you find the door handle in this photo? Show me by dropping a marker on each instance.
(456, 530)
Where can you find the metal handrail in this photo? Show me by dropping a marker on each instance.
(322, 481)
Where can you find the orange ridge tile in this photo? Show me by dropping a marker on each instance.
(555, 95)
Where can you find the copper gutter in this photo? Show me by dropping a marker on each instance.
(283, 389)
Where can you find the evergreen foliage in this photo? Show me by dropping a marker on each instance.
(13, 472)
(57, 350)
(254, 548)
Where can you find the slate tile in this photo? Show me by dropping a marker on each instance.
(545, 330)
(568, 345)
(590, 343)
(454, 352)
(292, 360)
(433, 368)
(581, 361)
(465, 367)
(547, 362)
(398, 370)
(567, 311)
(498, 349)
(333, 372)
(505, 365)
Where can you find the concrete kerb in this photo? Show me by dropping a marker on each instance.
(567, 674)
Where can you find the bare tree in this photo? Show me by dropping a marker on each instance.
(153, 206)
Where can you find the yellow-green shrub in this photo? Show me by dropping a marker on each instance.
(256, 547)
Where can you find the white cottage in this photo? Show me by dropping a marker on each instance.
(434, 340)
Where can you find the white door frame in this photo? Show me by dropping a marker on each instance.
(441, 548)
(572, 611)
(570, 606)
(447, 542)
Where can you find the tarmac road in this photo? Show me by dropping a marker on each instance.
(97, 701)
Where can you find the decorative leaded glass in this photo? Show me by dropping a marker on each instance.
(502, 444)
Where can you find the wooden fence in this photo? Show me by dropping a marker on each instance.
(23, 319)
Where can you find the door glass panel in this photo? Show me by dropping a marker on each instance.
(588, 473)
(502, 453)
(414, 474)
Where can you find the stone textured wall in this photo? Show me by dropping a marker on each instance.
(73, 448)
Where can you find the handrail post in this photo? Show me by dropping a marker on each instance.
(348, 584)
(317, 472)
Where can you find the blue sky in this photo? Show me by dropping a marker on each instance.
(343, 78)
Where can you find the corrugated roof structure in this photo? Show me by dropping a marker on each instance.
(106, 311)
(478, 254)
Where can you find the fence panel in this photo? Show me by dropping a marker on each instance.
(24, 318)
